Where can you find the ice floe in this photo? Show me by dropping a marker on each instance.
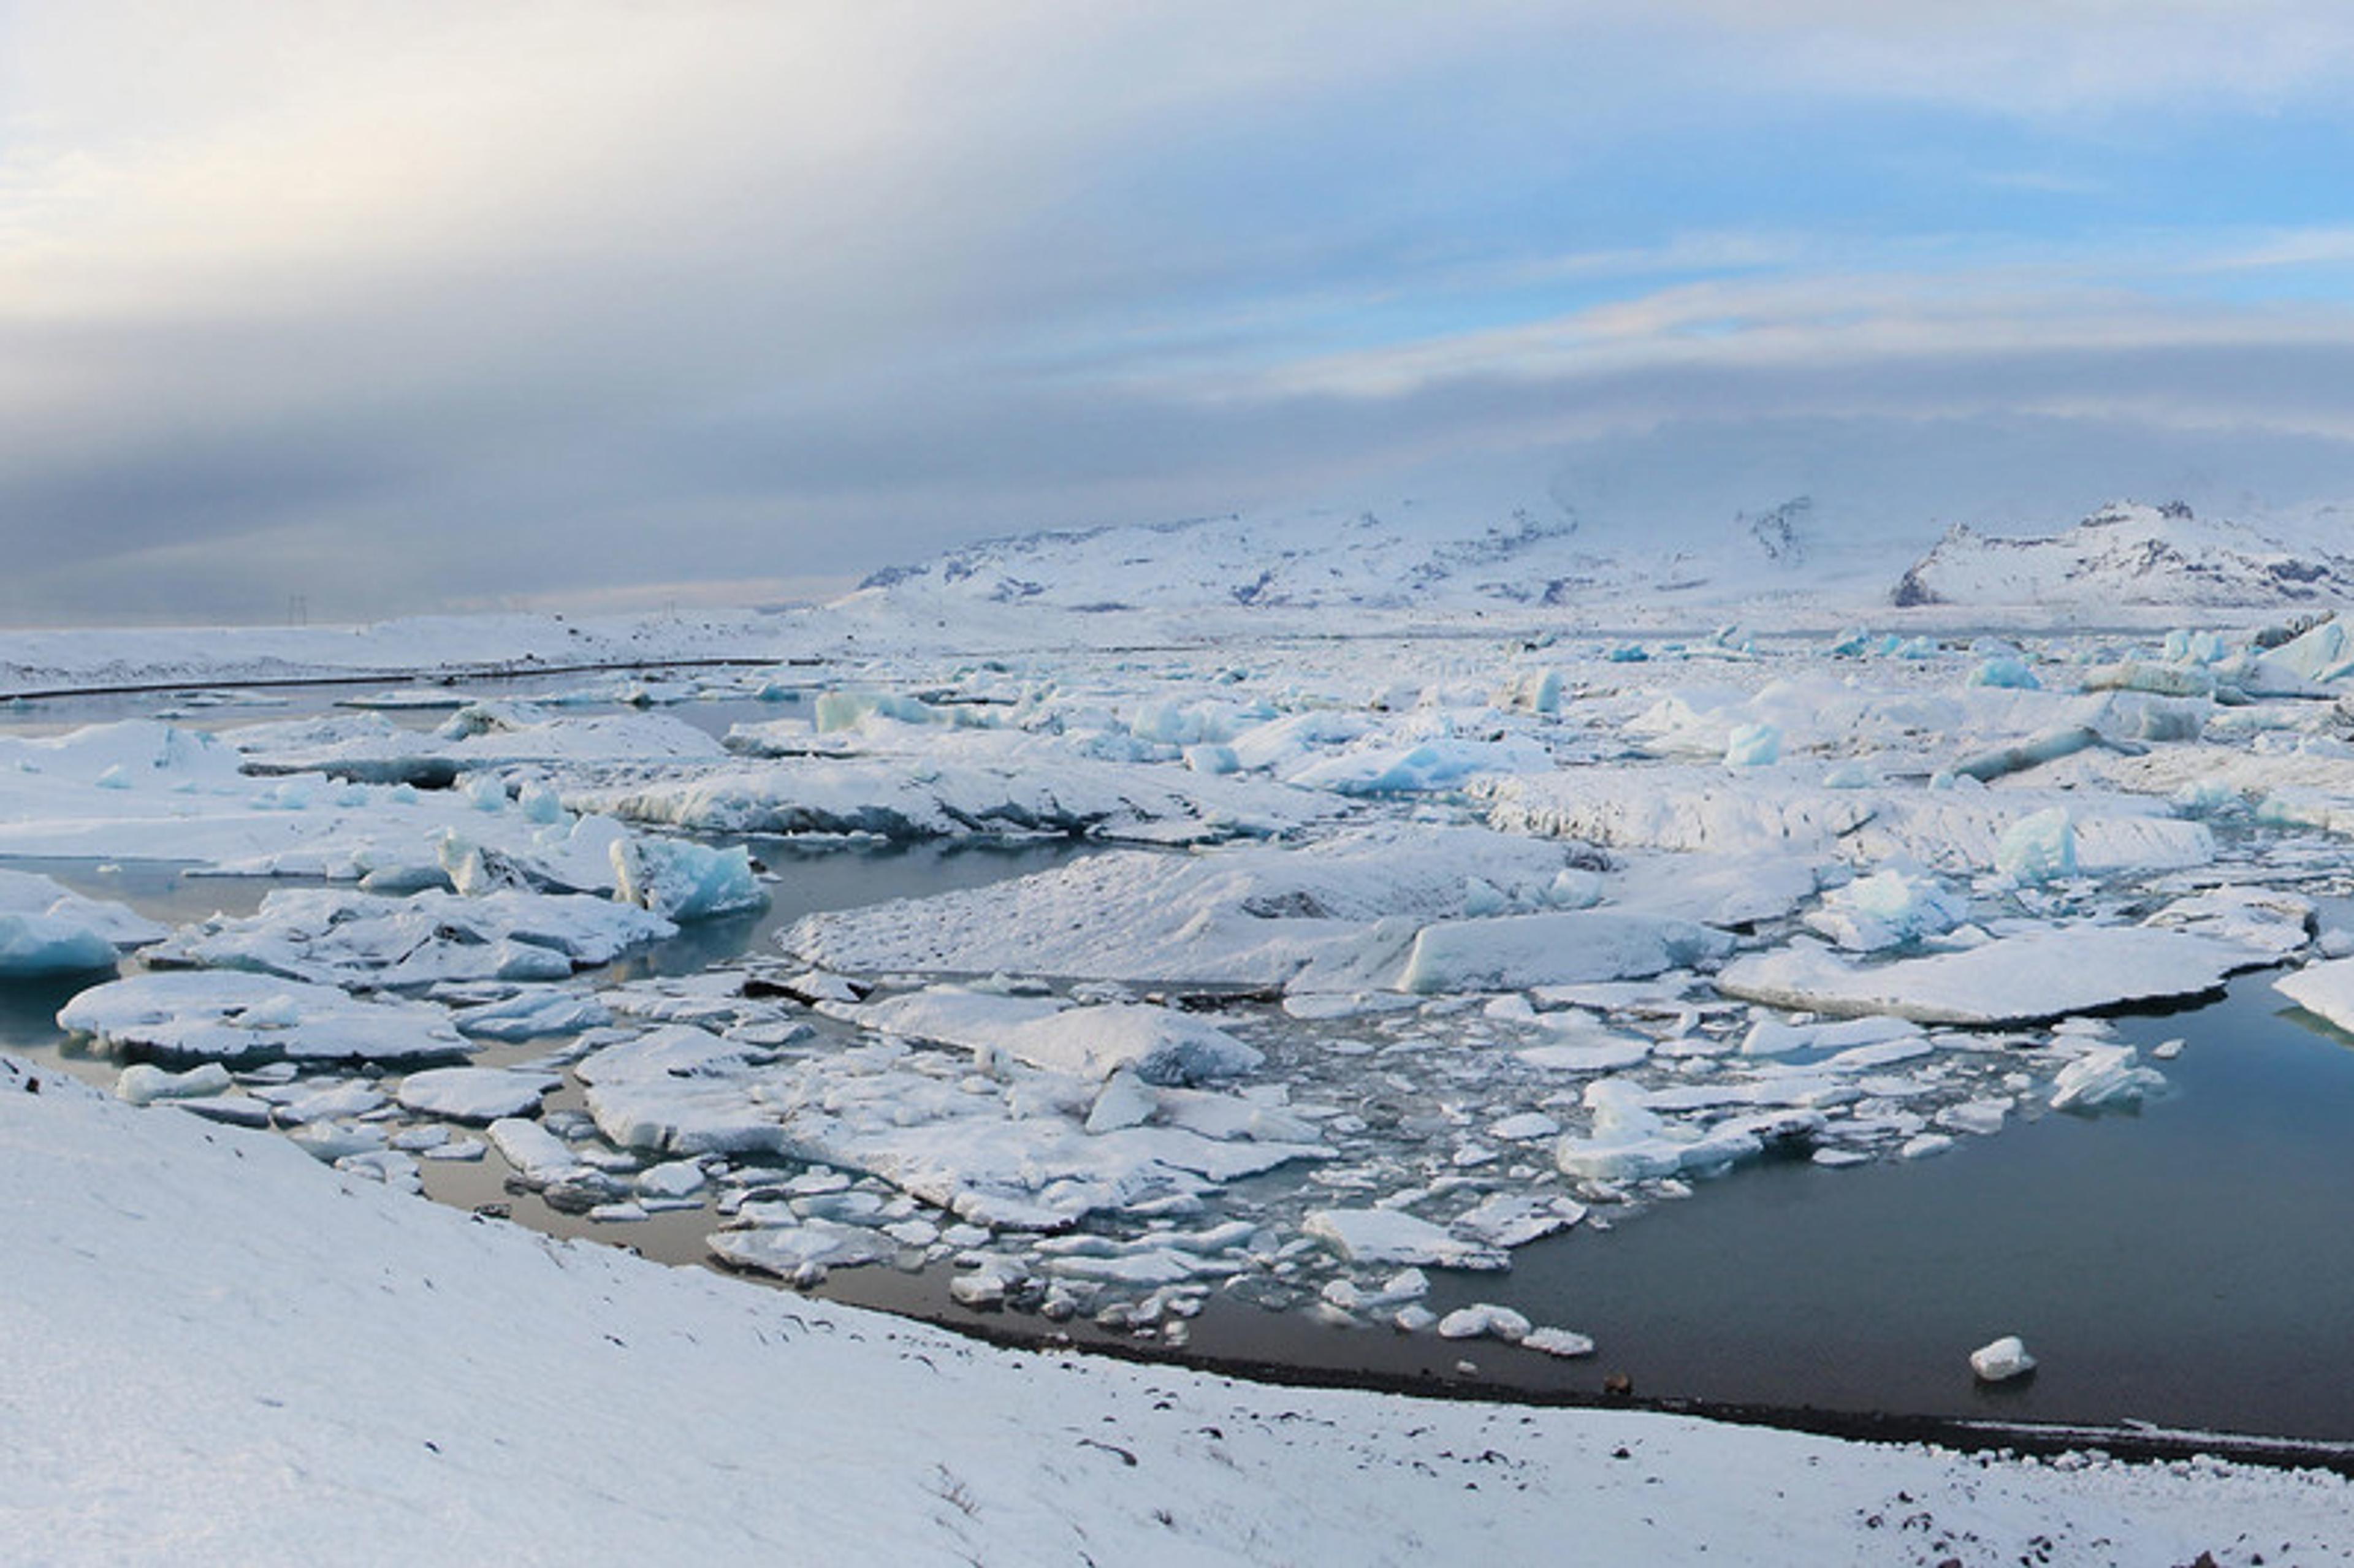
(368, 940)
(231, 1017)
(2023, 978)
(46, 928)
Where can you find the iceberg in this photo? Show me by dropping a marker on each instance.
(680, 880)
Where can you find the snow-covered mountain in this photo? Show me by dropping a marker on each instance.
(2127, 554)
(1401, 557)
(1439, 559)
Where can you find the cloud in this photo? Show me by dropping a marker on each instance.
(392, 305)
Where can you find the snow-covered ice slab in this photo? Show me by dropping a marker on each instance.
(478, 737)
(344, 938)
(794, 1251)
(235, 1018)
(46, 928)
(145, 791)
(2325, 990)
(1021, 786)
(475, 1094)
(1567, 947)
(1389, 1237)
(1159, 1044)
(2022, 978)
(1699, 810)
(1333, 915)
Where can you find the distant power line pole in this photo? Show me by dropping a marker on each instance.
(298, 609)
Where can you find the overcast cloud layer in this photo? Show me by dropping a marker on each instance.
(391, 307)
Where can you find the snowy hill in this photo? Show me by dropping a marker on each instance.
(2128, 555)
(1403, 558)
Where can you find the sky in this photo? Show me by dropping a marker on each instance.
(363, 307)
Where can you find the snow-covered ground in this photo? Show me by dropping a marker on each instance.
(221, 1352)
(1408, 943)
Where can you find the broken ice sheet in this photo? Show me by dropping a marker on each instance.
(2025, 977)
(234, 1017)
(364, 940)
(1158, 1045)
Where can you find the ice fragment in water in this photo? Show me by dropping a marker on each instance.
(1483, 1320)
(2004, 1359)
(2105, 1074)
(681, 880)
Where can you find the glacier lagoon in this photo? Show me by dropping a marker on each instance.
(1738, 1272)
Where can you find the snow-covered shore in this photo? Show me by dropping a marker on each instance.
(220, 1351)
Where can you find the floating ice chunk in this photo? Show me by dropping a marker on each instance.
(684, 1116)
(1514, 1219)
(2004, 1359)
(985, 1287)
(474, 1093)
(1523, 1127)
(1391, 1235)
(681, 880)
(1559, 1342)
(238, 1018)
(1923, 1146)
(143, 1083)
(1752, 746)
(2103, 1076)
(361, 939)
(1158, 1045)
(674, 1052)
(1629, 1142)
(1483, 1321)
(538, 1156)
(671, 1178)
(1772, 1037)
(1559, 947)
(2325, 990)
(1404, 1285)
(331, 1143)
(799, 1252)
(389, 1166)
(532, 1013)
(1589, 1051)
(2022, 979)
(1980, 1116)
(46, 929)
(353, 1098)
(2270, 920)
(1887, 908)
